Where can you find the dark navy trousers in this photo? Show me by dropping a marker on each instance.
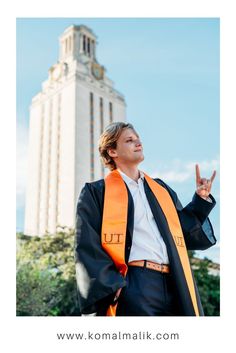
(148, 293)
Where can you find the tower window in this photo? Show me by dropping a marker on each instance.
(101, 115)
(110, 112)
(91, 137)
(84, 43)
(101, 129)
(89, 46)
(93, 48)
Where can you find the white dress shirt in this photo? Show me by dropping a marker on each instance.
(147, 243)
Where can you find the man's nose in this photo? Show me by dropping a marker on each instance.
(138, 143)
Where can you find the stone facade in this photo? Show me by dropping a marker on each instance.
(66, 118)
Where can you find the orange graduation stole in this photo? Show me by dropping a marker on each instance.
(114, 224)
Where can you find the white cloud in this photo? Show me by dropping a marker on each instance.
(179, 171)
(21, 164)
(212, 254)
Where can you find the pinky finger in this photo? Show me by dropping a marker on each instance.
(213, 176)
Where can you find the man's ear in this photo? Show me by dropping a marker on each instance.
(112, 152)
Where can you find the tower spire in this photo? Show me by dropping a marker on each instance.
(78, 43)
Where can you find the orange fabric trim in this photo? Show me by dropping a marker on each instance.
(115, 212)
(111, 311)
(172, 218)
(114, 224)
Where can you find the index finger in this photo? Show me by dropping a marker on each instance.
(198, 177)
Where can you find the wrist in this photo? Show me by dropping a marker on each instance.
(206, 198)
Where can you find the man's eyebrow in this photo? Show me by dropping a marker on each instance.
(131, 137)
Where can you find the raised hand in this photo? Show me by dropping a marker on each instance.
(203, 184)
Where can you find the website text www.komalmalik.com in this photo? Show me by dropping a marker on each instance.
(106, 336)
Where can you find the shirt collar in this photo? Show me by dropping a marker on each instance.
(128, 180)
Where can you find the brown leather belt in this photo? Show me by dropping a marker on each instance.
(151, 265)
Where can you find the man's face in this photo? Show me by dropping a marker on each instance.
(129, 149)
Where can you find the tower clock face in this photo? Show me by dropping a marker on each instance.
(97, 71)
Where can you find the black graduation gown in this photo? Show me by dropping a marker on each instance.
(97, 276)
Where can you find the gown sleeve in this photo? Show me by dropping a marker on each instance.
(96, 275)
(197, 228)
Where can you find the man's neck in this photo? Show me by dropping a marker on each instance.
(130, 171)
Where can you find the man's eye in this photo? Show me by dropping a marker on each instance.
(128, 140)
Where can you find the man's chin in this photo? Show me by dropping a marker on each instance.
(141, 158)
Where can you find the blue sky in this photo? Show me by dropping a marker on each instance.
(168, 70)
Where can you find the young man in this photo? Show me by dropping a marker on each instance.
(132, 236)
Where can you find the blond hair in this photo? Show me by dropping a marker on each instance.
(108, 139)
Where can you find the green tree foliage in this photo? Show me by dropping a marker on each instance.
(37, 292)
(208, 286)
(46, 284)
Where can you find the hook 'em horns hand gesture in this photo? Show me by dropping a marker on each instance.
(203, 184)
